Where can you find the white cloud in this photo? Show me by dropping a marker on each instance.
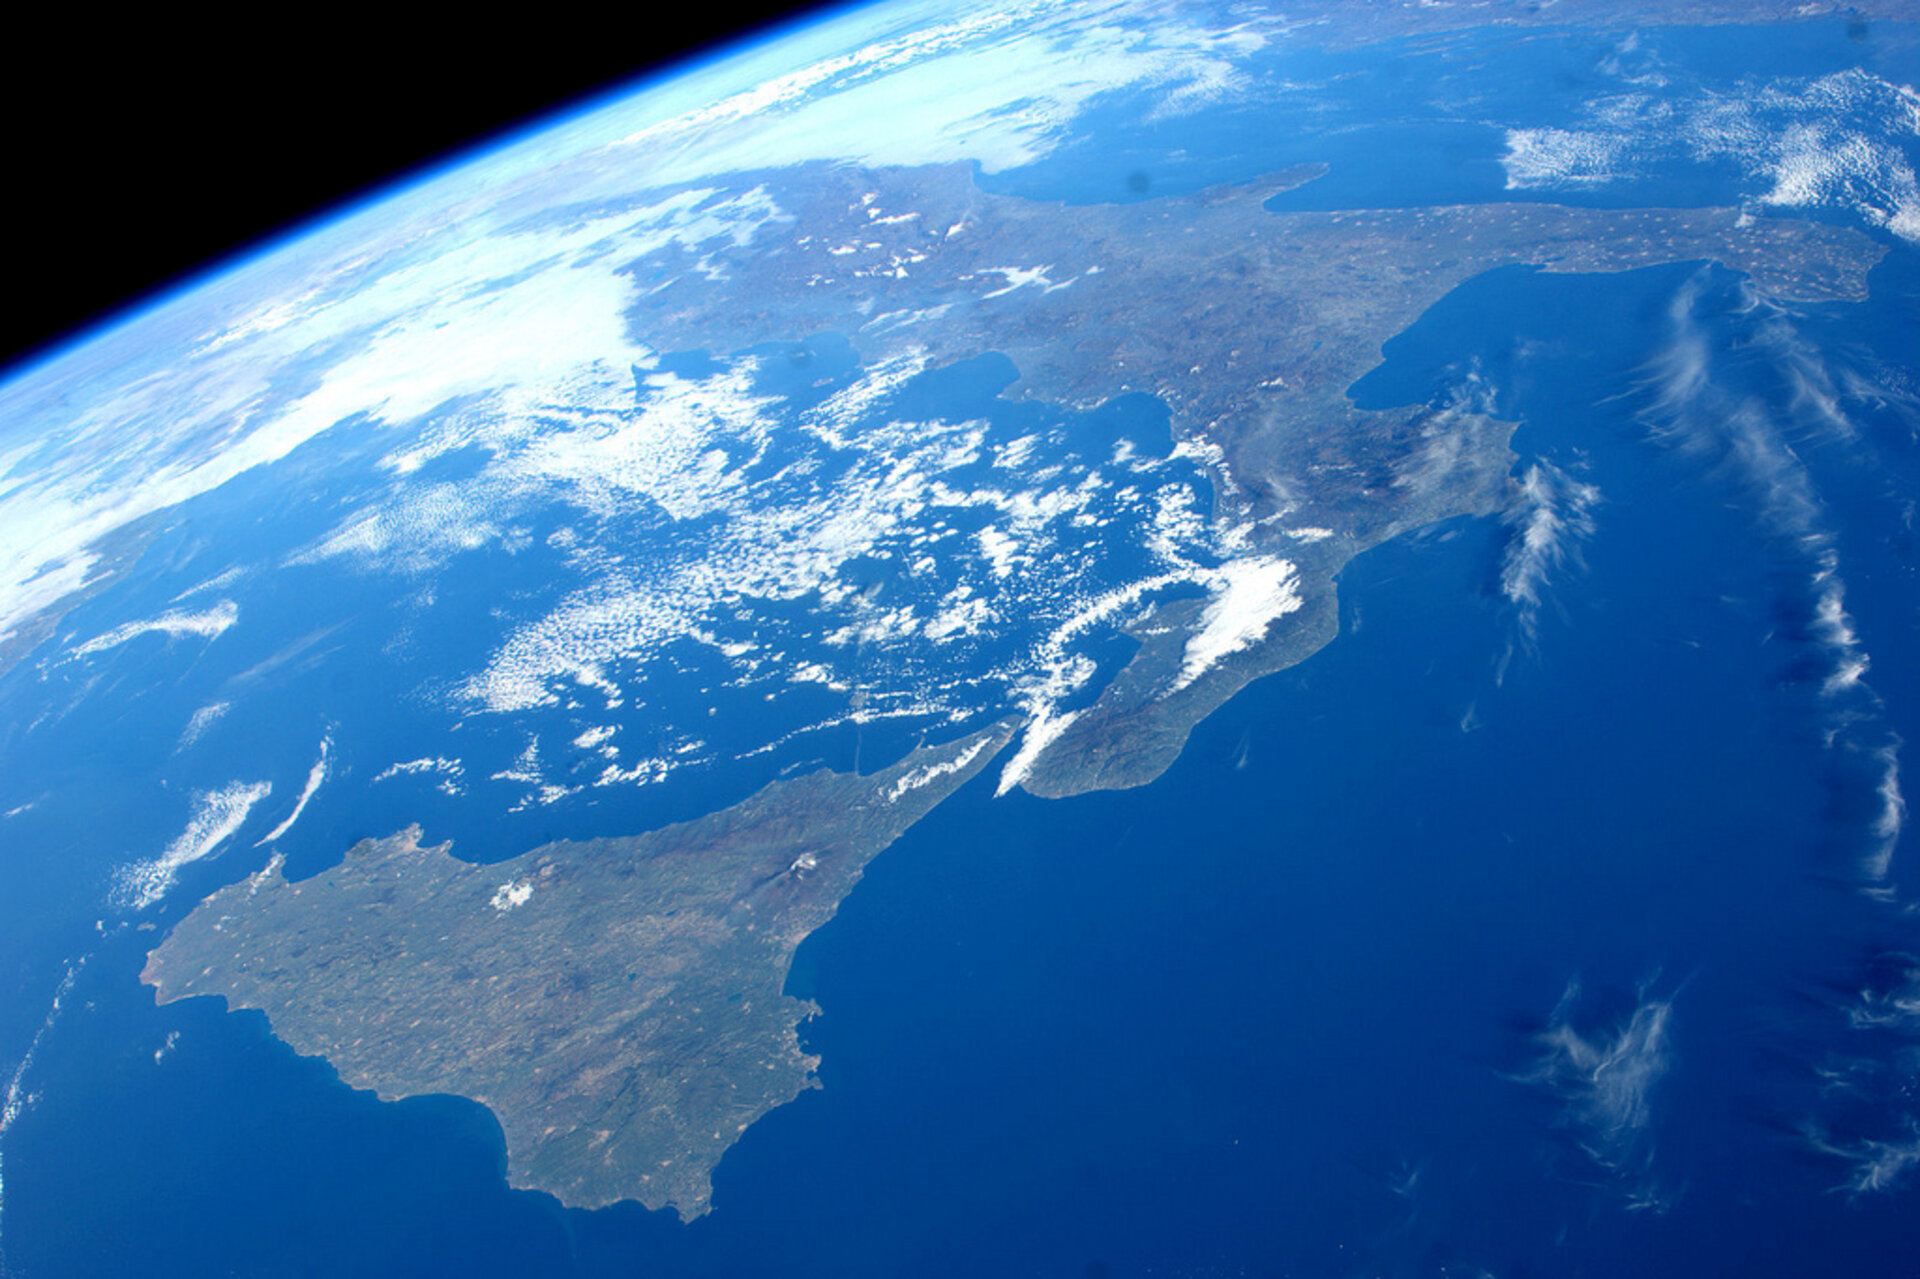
(315, 776)
(1844, 140)
(512, 894)
(1879, 1167)
(464, 309)
(201, 720)
(217, 814)
(997, 86)
(450, 290)
(484, 310)
(914, 779)
(208, 624)
(451, 772)
(1249, 595)
(414, 535)
(1752, 443)
(1606, 1082)
(1891, 817)
(853, 485)
(1042, 731)
(1561, 158)
(596, 737)
(1551, 514)
(17, 1099)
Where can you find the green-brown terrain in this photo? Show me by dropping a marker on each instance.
(619, 1003)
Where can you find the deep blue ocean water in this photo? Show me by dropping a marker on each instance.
(1313, 1003)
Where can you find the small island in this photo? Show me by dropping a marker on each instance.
(617, 1003)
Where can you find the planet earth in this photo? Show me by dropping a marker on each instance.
(972, 639)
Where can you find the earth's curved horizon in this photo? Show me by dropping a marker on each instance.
(1004, 639)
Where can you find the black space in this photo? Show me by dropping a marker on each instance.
(138, 152)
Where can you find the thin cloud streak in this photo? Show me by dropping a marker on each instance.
(1692, 407)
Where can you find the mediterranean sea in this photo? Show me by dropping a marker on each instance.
(1530, 931)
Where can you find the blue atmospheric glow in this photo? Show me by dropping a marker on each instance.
(1555, 918)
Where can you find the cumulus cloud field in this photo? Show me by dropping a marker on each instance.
(217, 816)
(440, 290)
(1844, 141)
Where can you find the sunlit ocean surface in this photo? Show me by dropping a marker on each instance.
(1563, 939)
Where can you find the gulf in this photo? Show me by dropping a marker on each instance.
(1288, 1002)
(1416, 959)
(1304, 1004)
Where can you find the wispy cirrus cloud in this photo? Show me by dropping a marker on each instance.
(1877, 1166)
(1866, 1118)
(1702, 399)
(1550, 516)
(1605, 1078)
